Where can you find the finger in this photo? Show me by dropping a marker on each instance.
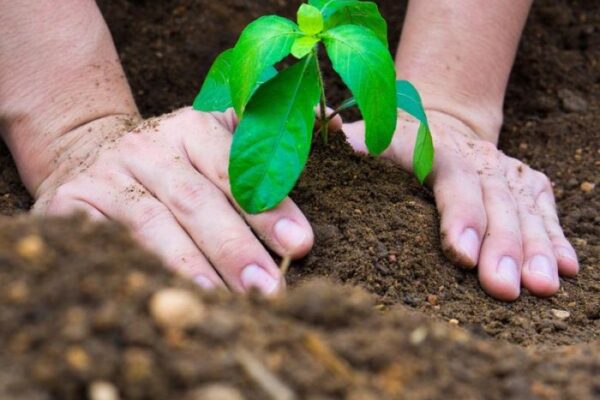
(64, 206)
(355, 136)
(463, 216)
(540, 272)
(568, 263)
(403, 141)
(213, 224)
(501, 254)
(121, 198)
(285, 229)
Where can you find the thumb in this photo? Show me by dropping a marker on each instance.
(355, 135)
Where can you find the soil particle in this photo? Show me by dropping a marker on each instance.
(571, 102)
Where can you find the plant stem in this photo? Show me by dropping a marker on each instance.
(324, 123)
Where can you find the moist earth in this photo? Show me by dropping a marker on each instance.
(74, 303)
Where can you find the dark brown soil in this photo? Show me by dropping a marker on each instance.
(375, 228)
(75, 312)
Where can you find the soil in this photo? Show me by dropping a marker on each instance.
(74, 298)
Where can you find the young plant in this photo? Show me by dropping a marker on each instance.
(277, 109)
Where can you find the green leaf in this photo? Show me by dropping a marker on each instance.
(272, 142)
(262, 44)
(353, 12)
(304, 45)
(367, 68)
(423, 153)
(310, 19)
(408, 100)
(215, 94)
(318, 3)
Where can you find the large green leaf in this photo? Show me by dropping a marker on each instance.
(215, 94)
(262, 44)
(367, 68)
(408, 100)
(272, 142)
(354, 12)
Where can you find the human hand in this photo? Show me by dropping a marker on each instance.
(167, 180)
(496, 212)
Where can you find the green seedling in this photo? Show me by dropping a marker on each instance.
(277, 113)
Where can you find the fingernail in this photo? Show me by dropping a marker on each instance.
(204, 282)
(541, 265)
(566, 252)
(290, 234)
(469, 243)
(508, 270)
(257, 277)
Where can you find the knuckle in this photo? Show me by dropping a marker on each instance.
(188, 197)
(61, 195)
(489, 150)
(542, 182)
(232, 250)
(149, 214)
(186, 261)
(130, 143)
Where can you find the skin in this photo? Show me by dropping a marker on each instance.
(496, 212)
(70, 122)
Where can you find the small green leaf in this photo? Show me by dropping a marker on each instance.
(262, 44)
(408, 100)
(215, 94)
(423, 153)
(367, 68)
(304, 45)
(353, 12)
(310, 19)
(272, 142)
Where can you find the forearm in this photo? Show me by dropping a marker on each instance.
(58, 70)
(459, 54)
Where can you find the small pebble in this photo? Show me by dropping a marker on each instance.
(78, 359)
(453, 321)
(31, 247)
(176, 309)
(572, 102)
(101, 390)
(560, 314)
(216, 391)
(418, 336)
(587, 187)
(523, 146)
(432, 299)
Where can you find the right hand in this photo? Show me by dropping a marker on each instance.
(167, 180)
(496, 212)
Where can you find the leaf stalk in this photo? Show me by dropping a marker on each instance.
(324, 121)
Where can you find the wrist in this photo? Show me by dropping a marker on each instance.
(38, 157)
(485, 120)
